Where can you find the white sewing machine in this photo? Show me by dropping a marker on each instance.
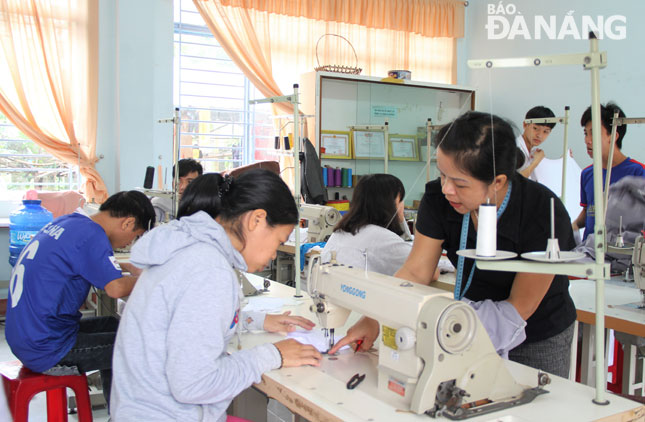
(321, 219)
(435, 356)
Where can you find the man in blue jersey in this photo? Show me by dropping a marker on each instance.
(53, 277)
(621, 165)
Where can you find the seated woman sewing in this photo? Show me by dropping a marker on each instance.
(170, 359)
(368, 236)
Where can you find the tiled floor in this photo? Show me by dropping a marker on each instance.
(37, 406)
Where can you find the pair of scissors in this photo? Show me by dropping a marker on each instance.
(354, 381)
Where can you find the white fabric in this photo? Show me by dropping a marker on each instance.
(315, 338)
(528, 159)
(163, 208)
(549, 173)
(384, 251)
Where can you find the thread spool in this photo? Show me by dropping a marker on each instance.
(487, 230)
(330, 177)
(150, 174)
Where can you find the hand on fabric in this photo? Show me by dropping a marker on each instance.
(365, 330)
(284, 322)
(297, 354)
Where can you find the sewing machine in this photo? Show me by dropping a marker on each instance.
(638, 259)
(435, 357)
(321, 219)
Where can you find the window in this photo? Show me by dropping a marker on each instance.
(24, 165)
(219, 127)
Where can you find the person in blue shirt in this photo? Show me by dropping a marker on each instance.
(53, 277)
(621, 165)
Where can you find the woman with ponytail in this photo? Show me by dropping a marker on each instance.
(170, 360)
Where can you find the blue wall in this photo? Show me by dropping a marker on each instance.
(514, 91)
(135, 89)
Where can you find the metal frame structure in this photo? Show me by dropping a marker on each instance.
(617, 121)
(293, 99)
(176, 146)
(565, 121)
(594, 60)
(429, 128)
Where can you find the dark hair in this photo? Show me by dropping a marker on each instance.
(373, 202)
(131, 203)
(188, 165)
(606, 118)
(469, 141)
(229, 198)
(538, 112)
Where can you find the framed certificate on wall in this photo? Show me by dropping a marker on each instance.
(369, 144)
(336, 144)
(403, 147)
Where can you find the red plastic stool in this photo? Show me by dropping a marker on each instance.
(21, 385)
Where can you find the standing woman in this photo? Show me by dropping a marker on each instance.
(170, 359)
(473, 171)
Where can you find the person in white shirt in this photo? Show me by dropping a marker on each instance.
(368, 236)
(532, 137)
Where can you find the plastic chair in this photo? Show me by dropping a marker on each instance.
(21, 385)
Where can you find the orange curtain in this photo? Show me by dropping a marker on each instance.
(274, 41)
(49, 79)
(430, 18)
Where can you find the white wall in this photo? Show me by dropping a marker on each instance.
(511, 92)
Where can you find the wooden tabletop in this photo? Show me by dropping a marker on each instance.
(620, 313)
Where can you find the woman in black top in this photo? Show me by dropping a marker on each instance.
(465, 157)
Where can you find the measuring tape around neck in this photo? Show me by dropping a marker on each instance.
(458, 294)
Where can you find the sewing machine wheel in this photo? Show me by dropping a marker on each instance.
(456, 328)
(331, 218)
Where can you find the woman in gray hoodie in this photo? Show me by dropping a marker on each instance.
(170, 361)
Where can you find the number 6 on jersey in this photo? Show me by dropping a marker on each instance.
(15, 285)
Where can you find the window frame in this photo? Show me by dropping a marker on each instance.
(254, 119)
